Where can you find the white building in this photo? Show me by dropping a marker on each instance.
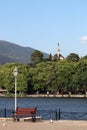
(58, 55)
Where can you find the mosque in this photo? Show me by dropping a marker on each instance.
(58, 55)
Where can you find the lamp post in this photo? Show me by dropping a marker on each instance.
(15, 72)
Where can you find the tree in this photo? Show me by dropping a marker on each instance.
(64, 75)
(44, 77)
(49, 58)
(73, 57)
(7, 78)
(36, 57)
(85, 57)
(80, 78)
(55, 57)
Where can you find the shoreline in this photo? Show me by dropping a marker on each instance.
(47, 96)
(58, 96)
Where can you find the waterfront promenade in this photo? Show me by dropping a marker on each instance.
(44, 125)
(51, 95)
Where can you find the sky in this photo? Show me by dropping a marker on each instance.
(42, 24)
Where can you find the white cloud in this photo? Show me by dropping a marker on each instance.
(83, 39)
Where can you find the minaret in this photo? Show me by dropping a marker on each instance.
(58, 51)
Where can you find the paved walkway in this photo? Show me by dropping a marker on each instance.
(44, 125)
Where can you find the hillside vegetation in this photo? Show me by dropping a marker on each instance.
(54, 76)
(10, 52)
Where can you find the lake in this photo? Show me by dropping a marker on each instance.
(42, 103)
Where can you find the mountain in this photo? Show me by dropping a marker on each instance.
(11, 52)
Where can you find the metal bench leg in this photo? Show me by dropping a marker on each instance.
(33, 119)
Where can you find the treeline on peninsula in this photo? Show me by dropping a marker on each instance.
(67, 75)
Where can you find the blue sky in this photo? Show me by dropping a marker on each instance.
(41, 24)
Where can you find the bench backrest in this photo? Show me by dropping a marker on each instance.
(26, 111)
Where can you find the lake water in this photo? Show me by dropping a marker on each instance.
(65, 104)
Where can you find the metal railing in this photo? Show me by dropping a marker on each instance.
(50, 114)
(6, 112)
(73, 115)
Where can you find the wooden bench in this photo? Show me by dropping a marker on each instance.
(24, 112)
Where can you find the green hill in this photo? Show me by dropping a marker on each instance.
(10, 52)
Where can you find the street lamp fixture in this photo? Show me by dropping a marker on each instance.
(15, 72)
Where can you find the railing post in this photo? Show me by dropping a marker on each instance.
(56, 114)
(5, 112)
(59, 114)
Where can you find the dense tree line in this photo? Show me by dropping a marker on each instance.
(68, 75)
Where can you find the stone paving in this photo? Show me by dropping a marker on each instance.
(43, 125)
